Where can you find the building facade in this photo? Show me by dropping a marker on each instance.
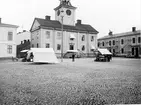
(21, 36)
(7, 40)
(126, 44)
(23, 42)
(47, 33)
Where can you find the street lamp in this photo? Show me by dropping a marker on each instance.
(62, 16)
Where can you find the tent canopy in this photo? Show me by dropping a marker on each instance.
(24, 51)
(44, 55)
(104, 51)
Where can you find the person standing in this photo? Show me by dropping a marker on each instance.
(73, 57)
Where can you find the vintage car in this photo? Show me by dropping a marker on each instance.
(103, 55)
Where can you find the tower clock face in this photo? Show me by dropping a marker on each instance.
(68, 12)
(58, 12)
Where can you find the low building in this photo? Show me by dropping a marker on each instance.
(47, 33)
(7, 40)
(21, 36)
(123, 44)
(23, 42)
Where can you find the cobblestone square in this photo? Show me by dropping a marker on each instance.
(83, 82)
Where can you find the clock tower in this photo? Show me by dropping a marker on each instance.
(66, 11)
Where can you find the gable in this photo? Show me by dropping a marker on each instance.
(35, 25)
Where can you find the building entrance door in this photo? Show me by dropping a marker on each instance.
(137, 52)
(71, 47)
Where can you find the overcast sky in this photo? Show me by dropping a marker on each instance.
(104, 15)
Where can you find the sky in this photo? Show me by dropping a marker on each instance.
(104, 15)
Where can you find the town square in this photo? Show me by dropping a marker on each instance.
(83, 82)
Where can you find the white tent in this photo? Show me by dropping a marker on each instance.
(104, 51)
(43, 55)
(24, 51)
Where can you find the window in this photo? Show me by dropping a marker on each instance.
(98, 44)
(58, 35)
(113, 50)
(122, 50)
(32, 45)
(133, 40)
(110, 50)
(47, 45)
(113, 42)
(47, 34)
(58, 46)
(92, 38)
(139, 39)
(37, 45)
(122, 41)
(10, 36)
(71, 47)
(109, 43)
(132, 51)
(9, 49)
(83, 38)
(102, 43)
(37, 33)
(83, 48)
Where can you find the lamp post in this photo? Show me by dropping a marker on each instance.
(62, 16)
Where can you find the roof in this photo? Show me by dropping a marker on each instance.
(121, 34)
(57, 25)
(8, 25)
(66, 6)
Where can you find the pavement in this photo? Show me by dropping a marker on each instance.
(82, 82)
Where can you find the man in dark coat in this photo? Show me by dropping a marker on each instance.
(73, 57)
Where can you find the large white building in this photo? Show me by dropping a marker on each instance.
(7, 40)
(48, 33)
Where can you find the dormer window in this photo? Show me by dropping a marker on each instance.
(72, 37)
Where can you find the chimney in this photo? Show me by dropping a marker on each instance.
(110, 33)
(24, 30)
(0, 20)
(47, 17)
(79, 22)
(133, 29)
(24, 41)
